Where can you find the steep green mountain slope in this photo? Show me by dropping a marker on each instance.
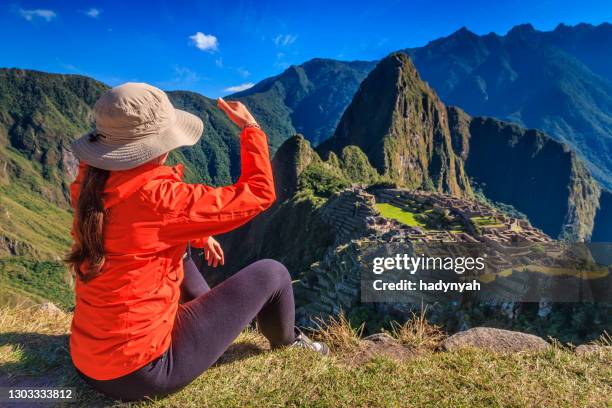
(558, 81)
(413, 139)
(39, 115)
(401, 125)
(307, 98)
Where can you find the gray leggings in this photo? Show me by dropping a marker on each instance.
(207, 323)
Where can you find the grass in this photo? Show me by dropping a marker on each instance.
(604, 340)
(486, 221)
(34, 343)
(338, 333)
(399, 214)
(29, 214)
(417, 332)
(26, 277)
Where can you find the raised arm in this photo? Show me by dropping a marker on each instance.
(193, 211)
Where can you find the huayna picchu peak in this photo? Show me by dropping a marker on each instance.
(402, 126)
(413, 139)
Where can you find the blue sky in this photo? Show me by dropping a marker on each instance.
(216, 47)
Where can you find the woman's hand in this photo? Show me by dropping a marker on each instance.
(213, 253)
(237, 112)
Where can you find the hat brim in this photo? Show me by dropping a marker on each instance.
(186, 131)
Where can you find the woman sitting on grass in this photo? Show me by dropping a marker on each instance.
(146, 323)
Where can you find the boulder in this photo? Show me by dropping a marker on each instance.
(380, 338)
(589, 349)
(380, 344)
(50, 308)
(497, 340)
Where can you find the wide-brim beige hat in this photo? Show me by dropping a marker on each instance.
(135, 123)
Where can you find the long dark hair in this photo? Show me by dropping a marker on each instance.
(90, 220)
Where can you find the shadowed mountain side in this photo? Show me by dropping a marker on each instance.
(558, 81)
(538, 176)
(290, 231)
(293, 231)
(603, 219)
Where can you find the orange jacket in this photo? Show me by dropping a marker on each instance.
(123, 318)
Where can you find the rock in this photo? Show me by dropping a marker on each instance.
(379, 338)
(50, 308)
(590, 349)
(380, 344)
(496, 340)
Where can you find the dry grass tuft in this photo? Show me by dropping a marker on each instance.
(417, 332)
(34, 319)
(604, 340)
(338, 333)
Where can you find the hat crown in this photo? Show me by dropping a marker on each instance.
(133, 111)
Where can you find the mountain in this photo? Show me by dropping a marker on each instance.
(558, 81)
(537, 175)
(307, 98)
(41, 113)
(413, 139)
(402, 126)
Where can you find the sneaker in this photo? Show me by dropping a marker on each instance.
(302, 341)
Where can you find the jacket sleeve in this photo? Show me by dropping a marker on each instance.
(193, 211)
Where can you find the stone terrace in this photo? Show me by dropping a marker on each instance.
(500, 229)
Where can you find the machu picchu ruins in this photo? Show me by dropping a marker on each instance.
(444, 218)
(435, 223)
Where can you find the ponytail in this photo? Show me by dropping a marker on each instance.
(90, 220)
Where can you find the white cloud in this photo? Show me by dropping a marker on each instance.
(30, 15)
(243, 72)
(283, 40)
(219, 62)
(93, 12)
(205, 42)
(241, 87)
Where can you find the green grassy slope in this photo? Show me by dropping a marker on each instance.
(33, 347)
